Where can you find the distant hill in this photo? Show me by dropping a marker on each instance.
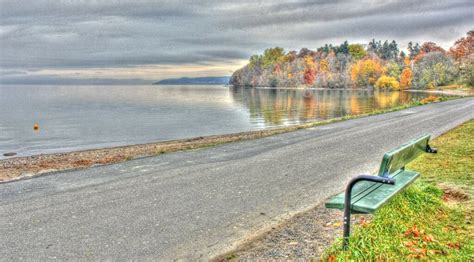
(219, 80)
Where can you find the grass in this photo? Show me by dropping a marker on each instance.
(430, 220)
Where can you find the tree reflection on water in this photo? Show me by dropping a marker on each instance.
(293, 106)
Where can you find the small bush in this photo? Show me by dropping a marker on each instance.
(387, 82)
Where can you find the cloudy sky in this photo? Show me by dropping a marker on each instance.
(151, 40)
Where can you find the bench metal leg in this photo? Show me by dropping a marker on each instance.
(347, 202)
(430, 149)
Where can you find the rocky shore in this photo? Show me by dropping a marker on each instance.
(23, 167)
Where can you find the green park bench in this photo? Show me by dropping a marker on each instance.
(368, 193)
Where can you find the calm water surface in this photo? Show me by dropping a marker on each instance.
(84, 117)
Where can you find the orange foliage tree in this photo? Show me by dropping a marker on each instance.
(463, 47)
(406, 77)
(407, 61)
(366, 72)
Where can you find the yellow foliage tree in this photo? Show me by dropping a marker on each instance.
(309, 61)
(323, 66)
(366, 72)
(387, 82)
(406, 77)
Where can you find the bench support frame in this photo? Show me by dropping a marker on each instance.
(385, 179)
(347, 202)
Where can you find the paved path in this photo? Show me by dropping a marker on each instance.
(194, 204)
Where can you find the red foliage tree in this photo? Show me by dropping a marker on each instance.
(309, 76)
(429, 47)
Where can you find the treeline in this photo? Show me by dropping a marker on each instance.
(376, 64)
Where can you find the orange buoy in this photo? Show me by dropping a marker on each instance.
(36, 127)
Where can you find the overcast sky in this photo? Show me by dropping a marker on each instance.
(153, 40)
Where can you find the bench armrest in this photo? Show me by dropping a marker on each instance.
(355, 180)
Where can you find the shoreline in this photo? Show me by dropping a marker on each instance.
(17, 168)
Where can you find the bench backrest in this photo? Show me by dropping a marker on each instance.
(399, 157)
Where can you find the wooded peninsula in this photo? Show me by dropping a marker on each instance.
(376, 64)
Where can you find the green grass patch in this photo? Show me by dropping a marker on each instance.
(430, 220)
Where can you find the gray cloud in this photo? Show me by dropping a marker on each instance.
(37, 35)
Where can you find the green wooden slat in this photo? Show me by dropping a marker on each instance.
(370, 195)
(384, 193)
(360, 190)
(404, 154)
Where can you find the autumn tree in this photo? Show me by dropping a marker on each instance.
(357, 51)
(467, 73)
(393, 69)
(406, 78)
(323, 66)
(429, 47)
(387, 82)
(366, 72)
(463, 53)
(310, 71)
(407, 61)
(432, 70)
(254, 61)
(463, 47)
(305, 52)
(272, 56)
(341, 65)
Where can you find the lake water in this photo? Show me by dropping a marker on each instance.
(84, 117)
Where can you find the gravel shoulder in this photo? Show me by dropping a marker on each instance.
(305, 235)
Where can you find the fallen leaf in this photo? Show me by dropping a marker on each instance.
(413, 231)
(410, 243)
(428, 238)
(363, 222)
(454, 245)
(417, 253)
(332, 258)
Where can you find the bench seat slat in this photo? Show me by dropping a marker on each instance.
(359, 191)
(370, 196)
